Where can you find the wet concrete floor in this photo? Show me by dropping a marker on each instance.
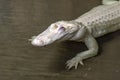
(19, 60)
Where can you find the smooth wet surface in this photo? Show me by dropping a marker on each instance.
(19, 60)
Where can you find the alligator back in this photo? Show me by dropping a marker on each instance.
(102, 19)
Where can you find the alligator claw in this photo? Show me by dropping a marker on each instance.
(74, 63)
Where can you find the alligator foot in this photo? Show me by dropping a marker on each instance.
(74, 62)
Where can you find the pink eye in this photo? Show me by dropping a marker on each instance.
(62, 28)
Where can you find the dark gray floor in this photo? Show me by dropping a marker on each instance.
(19, 60)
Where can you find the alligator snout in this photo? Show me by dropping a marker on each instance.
(37, 42)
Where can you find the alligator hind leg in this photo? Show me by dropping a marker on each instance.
(106, 2)
(92, 51)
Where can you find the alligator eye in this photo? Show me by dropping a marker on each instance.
(55, 26)
(62, 28)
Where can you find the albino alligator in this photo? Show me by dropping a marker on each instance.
(95, 23)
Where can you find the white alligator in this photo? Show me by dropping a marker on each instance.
(97, 22)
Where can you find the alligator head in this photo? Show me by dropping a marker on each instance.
(59, 31)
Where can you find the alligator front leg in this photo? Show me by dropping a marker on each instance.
(92, 51)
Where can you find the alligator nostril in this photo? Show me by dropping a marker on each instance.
(37, 42)
(34, 42)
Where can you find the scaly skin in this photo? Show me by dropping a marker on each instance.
(95, 23)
